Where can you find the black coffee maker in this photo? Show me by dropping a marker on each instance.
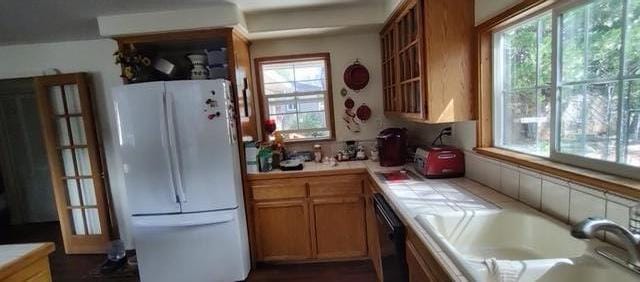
(392, 145)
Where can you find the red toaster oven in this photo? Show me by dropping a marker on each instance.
(439, 161)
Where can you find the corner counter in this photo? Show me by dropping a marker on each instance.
(25, 262)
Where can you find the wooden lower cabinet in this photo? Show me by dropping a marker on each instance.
(282, 230)
(339, 224)
(372, 229)
(422, 266)
(309, 218)
(418, 271)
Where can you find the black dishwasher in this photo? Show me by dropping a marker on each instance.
(391, 235)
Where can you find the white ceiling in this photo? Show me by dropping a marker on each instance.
(32, 21)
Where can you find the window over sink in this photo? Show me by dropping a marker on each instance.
(566, 85)
(295, 92)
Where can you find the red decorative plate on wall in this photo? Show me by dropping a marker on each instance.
(356, 76)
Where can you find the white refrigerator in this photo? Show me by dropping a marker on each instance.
(182, 179)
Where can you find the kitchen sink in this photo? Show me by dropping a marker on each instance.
(542, 249)
(505, 235)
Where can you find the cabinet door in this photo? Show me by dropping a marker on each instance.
(421, 263)
(282, 230)
(339, 225)
(418, 271)
(372, 230)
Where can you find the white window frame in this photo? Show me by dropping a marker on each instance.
(554, 151)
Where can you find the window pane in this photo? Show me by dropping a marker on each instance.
(312, 70)
(277, 73)
(295, 93)
(631, 120)
(310, 86)
(520, 56)
(588, 118)
(278, 88)
(524, 104)
(311, 120)
(307, 135)
(632, 51)
(311, 103)
(282, 105)
(573, 45)
(545, 50)
(526, 121)
(592, 34)
(286, 122)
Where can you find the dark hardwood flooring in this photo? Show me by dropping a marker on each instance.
(78, 268)
(64, 268)
(351, 271)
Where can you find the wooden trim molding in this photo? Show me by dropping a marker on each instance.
(601, 181)
(258, 62)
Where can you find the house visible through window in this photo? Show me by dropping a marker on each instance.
(576, 100)
(295, 92)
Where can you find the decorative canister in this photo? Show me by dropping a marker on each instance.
(317, 153)
(199, 62)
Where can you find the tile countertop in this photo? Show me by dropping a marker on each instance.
(419, 196)
(16, 256)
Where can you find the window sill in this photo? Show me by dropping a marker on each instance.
(607, 182)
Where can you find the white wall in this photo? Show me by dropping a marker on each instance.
(344, 49)
(486, 9)
(94, 57)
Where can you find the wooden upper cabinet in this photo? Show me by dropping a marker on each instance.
(427, 61)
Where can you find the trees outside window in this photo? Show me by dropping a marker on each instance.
(578, 100)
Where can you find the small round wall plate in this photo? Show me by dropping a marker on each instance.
(349, 103)
(363, 112)
(344, 92)
(356, 76)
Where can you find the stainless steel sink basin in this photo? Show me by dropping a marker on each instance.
(541, 248)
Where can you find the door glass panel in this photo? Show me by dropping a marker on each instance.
(63, 133)
(88, 192)
(73, 99)
(77, 220)
(72, 192)
(77, 131)
(84, 164)
(55, 97)
(67, 162)
(93, 222)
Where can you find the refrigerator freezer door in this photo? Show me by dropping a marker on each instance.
(143, 143)
(193, 253)
(206, 153)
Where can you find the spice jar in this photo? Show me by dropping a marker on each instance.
(317, 153)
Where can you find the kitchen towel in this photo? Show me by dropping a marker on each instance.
(504, 270)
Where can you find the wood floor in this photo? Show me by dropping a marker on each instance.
(77, 268)
(65, 268)
(354, 271)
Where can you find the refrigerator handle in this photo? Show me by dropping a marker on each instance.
(165, 135)
(173, 151)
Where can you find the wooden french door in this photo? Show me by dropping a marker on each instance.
(72, 151)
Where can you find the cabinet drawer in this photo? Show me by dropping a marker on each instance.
(278, 189)
(335, 185)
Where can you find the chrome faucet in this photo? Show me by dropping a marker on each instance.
(587, 228)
